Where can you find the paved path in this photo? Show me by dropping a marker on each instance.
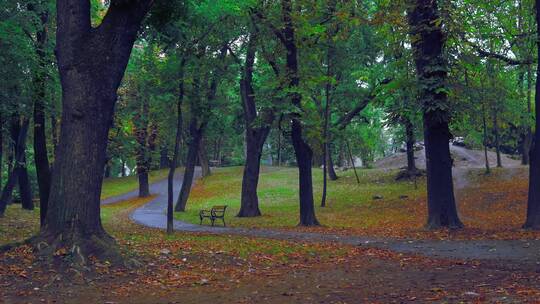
(521, 253)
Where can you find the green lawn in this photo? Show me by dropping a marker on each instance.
(349, 205)
(120, 185)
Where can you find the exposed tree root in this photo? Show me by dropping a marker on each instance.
(75, 250)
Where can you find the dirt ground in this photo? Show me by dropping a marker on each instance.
(366, 278)
(463, 158)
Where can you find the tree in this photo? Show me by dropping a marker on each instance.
(302, 150)
(91, 61)
(257, 125)
(431, 68)
(533, 202)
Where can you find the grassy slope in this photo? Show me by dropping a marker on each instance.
(19, 224)
(120, 185)
(349, 204)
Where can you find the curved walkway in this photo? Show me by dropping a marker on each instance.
(512, 252)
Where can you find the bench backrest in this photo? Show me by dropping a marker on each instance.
(218, 210)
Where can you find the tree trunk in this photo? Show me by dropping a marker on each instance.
(107, 171)
(527, 140)
(1, 150)
(174, 160)
(13, 177)
(40, 139)
(428, 43)
(279, 148)
(255, 136)
(330, 161)
(143, 158)
(25, 190)
(497, 139)
(203, 159)
(303, 152)
(91, 62)
(249, 200)
(123, 171)
(191, 160)
(533, 203)
(409, 131)
(196, 130)
(54, 137)
(164, 157)
(485, 139)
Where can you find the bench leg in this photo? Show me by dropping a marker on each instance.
(223, 219)
(213, 220)
(201, 220)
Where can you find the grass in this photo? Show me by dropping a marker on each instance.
(349, 205)
(119, 185)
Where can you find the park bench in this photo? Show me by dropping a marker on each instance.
(217, 212)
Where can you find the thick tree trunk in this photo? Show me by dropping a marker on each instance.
(196, 133)
(255, 136)
(40, 139)
(91, 63)
(533, 203)
(428, 44)
(250, 180)
(203, 159)
(409, 131)
(303, 152)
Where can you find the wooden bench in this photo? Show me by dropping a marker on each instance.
(217, 212)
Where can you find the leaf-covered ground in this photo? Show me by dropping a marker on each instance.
(198, 268)
(193, 268)
(491, 207)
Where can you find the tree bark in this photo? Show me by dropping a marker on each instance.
(485, 139)
(174, 160)
(527, 140)
(91, 63)
(40, 139)
(409, 131)
(1, 150)
(428, 43)
(302, 150)
(143, 157)
(330, 161)
(25, 190)
(13, 177)
(533, 202)
(255, 136)
(196, 132)
(203, 159)
(496, 134)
